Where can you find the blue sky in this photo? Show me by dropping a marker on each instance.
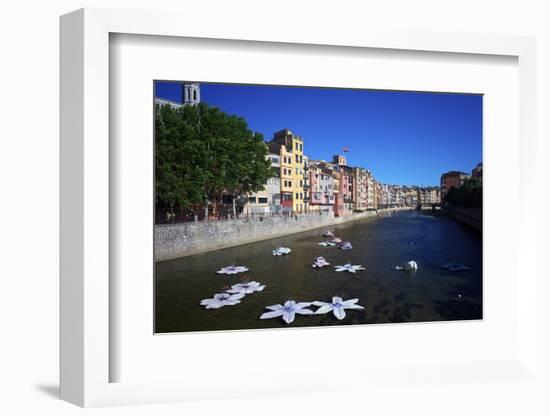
(406, 138)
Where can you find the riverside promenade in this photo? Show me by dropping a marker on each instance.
(186, 239)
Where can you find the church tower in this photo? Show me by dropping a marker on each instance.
(191, 94)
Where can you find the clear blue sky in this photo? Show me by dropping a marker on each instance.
(405, 138)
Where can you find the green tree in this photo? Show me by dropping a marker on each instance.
(202, 153)
(468, 195)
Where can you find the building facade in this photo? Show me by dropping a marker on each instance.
(452, 179)
(360, 191)
(292, 179)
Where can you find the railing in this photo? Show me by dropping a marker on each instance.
(226, 214)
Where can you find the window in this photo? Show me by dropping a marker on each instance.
(262, 200)
(297, 195)
(301, 148)
(195, 95)
(252, 199)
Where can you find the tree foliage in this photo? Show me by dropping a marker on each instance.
(202, 153)
(469, 195)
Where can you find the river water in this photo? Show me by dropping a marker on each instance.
(379, 244)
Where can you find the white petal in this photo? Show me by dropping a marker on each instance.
(214, 305)
(231, 302)
(347, 302)
(288, 317)
(274, 307)
(339, 313)
(319, 303)
(289, 303)
(272, 314)
(260, 288)
(327, 307)
(336, 299)
(353, 307)
(302, 305)
(304, 311)
(236, 296)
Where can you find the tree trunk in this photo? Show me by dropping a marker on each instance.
(234, 208)
(206, 208)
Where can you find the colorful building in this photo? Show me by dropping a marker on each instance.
(360, 191)
(291, 149)
(267, 200)
(321, 187)
(452, 179)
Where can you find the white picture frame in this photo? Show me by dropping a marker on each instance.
(86, 265)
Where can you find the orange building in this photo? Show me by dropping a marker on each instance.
(452, 179)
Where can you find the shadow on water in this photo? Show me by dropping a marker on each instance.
(429, 294)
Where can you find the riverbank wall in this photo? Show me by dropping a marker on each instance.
(468, 216)
(186, 239)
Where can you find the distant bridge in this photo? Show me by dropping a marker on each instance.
(428, 206)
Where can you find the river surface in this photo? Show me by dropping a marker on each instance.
(379, 244)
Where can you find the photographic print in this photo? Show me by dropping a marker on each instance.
(289, 206)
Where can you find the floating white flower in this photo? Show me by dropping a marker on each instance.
(232, 270)
(279, 251)
(335, 240)
(345, 246)
(328, 234)
(246, 288)
(349, 268)
(411, 265)
(453, 267)
(287, 311)
(320, 262)
(222, 299)
(337, 306)
(326, 243)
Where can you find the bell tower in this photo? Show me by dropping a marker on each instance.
(191, 94)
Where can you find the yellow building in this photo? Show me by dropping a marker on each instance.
(291, 148)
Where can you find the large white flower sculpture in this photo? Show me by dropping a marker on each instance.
(279, 251)
(337, 306)
(232, 270)
(346, 245)
(246, 288)
(222, 299)
(349, 268)
(320, 262)
(411, 265)
(288, 311)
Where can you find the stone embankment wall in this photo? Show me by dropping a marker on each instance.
(469, 216)
(186, 239)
